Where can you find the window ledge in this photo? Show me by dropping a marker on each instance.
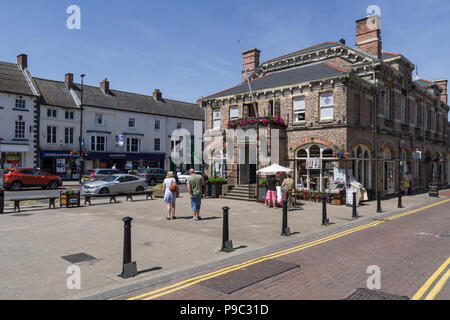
(19, 109)
(326, 121)
(299, 123)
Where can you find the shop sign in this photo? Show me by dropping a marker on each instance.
(61, 165)
(314, 163)
(417, 155)
(350, 196)
(13, 157)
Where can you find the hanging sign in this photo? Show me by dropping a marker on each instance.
(119, 140)
(314, 163)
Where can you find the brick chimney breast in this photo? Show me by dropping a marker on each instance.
(157, 95)
(22, 60)
(251, 60)
(104, 85)
(368, 35)
(68, 79)
(443, 84)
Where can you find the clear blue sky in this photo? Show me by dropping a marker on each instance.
(189, 49)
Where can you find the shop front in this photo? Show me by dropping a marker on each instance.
(124, 161)
(61, 163)
(13, 155)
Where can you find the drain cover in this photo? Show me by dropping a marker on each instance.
(444, 235)
(366, 294)
(78, 257)
(239, 279)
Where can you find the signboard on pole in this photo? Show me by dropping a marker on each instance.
(417, 155)
(349, 196)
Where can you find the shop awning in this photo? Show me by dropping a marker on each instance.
(274, 169)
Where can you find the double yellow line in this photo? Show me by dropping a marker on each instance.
(189, 282)
(438, 286)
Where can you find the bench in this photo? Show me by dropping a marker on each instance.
(87, 197)
(148, 193)
(51, 201)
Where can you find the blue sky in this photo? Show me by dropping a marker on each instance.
(189, 49)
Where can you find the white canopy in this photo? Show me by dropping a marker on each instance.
(273, 169)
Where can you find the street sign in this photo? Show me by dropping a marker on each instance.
(417, 155)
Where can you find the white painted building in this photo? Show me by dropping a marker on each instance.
(18, 99)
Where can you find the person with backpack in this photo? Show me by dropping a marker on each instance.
(170, 190)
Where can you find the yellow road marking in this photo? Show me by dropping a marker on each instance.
(189, 282)
(430, 281)
(438, 287)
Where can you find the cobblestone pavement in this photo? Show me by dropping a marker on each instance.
(408, 249)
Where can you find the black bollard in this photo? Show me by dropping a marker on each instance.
(129, 268)
(354, 212)
(325, 221)
(399, 205)
(2, 199)
(227, 245)
(285, 231)
(379, 202)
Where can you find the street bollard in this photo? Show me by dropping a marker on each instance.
(129, 268)
(379, 202)
(227, 244)
(399, 205)
(325, 221)
(2, 200)
(354, 211)
(285, 231)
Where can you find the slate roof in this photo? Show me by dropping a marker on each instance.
(319, 46)
(387, 55)
(13, 80)
(423, 82)
(296, 75)
(127, 101)
(55, 93)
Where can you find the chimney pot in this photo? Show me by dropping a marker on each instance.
(104, 85)
(342, 41)
(69, 80)
(251, 60)
(157, 95)
(22, 60)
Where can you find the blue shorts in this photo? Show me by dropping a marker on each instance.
(196, 202)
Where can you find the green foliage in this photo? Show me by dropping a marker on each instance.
(216, 180)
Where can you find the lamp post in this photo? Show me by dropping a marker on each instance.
(81, 159)
(400, 143)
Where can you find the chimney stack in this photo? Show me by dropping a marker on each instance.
(157, 95)
(22, 60)
(104, 85)
(443, 84)
(68, 79)
(368, 35)
(251, 60)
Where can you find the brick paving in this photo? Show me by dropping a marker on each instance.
(406, 250)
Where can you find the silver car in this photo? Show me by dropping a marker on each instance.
(117, 183)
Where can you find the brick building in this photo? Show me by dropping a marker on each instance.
(336, 109)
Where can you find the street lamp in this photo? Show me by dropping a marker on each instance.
(400, 143)
(81, 159)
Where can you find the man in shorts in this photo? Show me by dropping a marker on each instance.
(195, 185)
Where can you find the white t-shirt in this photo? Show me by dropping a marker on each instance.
(167, 182)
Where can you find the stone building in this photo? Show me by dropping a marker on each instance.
(338, 112)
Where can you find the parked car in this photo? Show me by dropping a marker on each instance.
(98, 174)
(117, 183)
(182, 177)
(154, 175)
(17, 178)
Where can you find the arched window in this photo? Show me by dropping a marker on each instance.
(362, 166)
(302, 153)
(314, 151)
(327, 153)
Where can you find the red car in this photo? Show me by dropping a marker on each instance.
(17, 178)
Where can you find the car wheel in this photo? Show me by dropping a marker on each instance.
(16, 186)
(104, 191)
(139, 189)
(152, 182)
(53, 185)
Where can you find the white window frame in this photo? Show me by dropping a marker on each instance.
(131, 122)
(155, 144)
(52, 113)
(157, 124)
(234, 112)
(20, 103)
(97, 117)
(216, 119)
(52, 134)
(96, 143)
(130, 142)
(68, 135)
(325, 107)
(69, 115)
(20, 125)
(299, 109)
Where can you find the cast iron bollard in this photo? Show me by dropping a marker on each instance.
(227, 245)
(379, 202)
(325, 221)
(129, 268)
(2, 200)
(354, 212)
(400, 200)
(285, 231)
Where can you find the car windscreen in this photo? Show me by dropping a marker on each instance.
(109, 178)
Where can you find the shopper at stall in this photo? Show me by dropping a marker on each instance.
(271, 196)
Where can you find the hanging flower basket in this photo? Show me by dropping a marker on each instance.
(339, 152)
(261, 121)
